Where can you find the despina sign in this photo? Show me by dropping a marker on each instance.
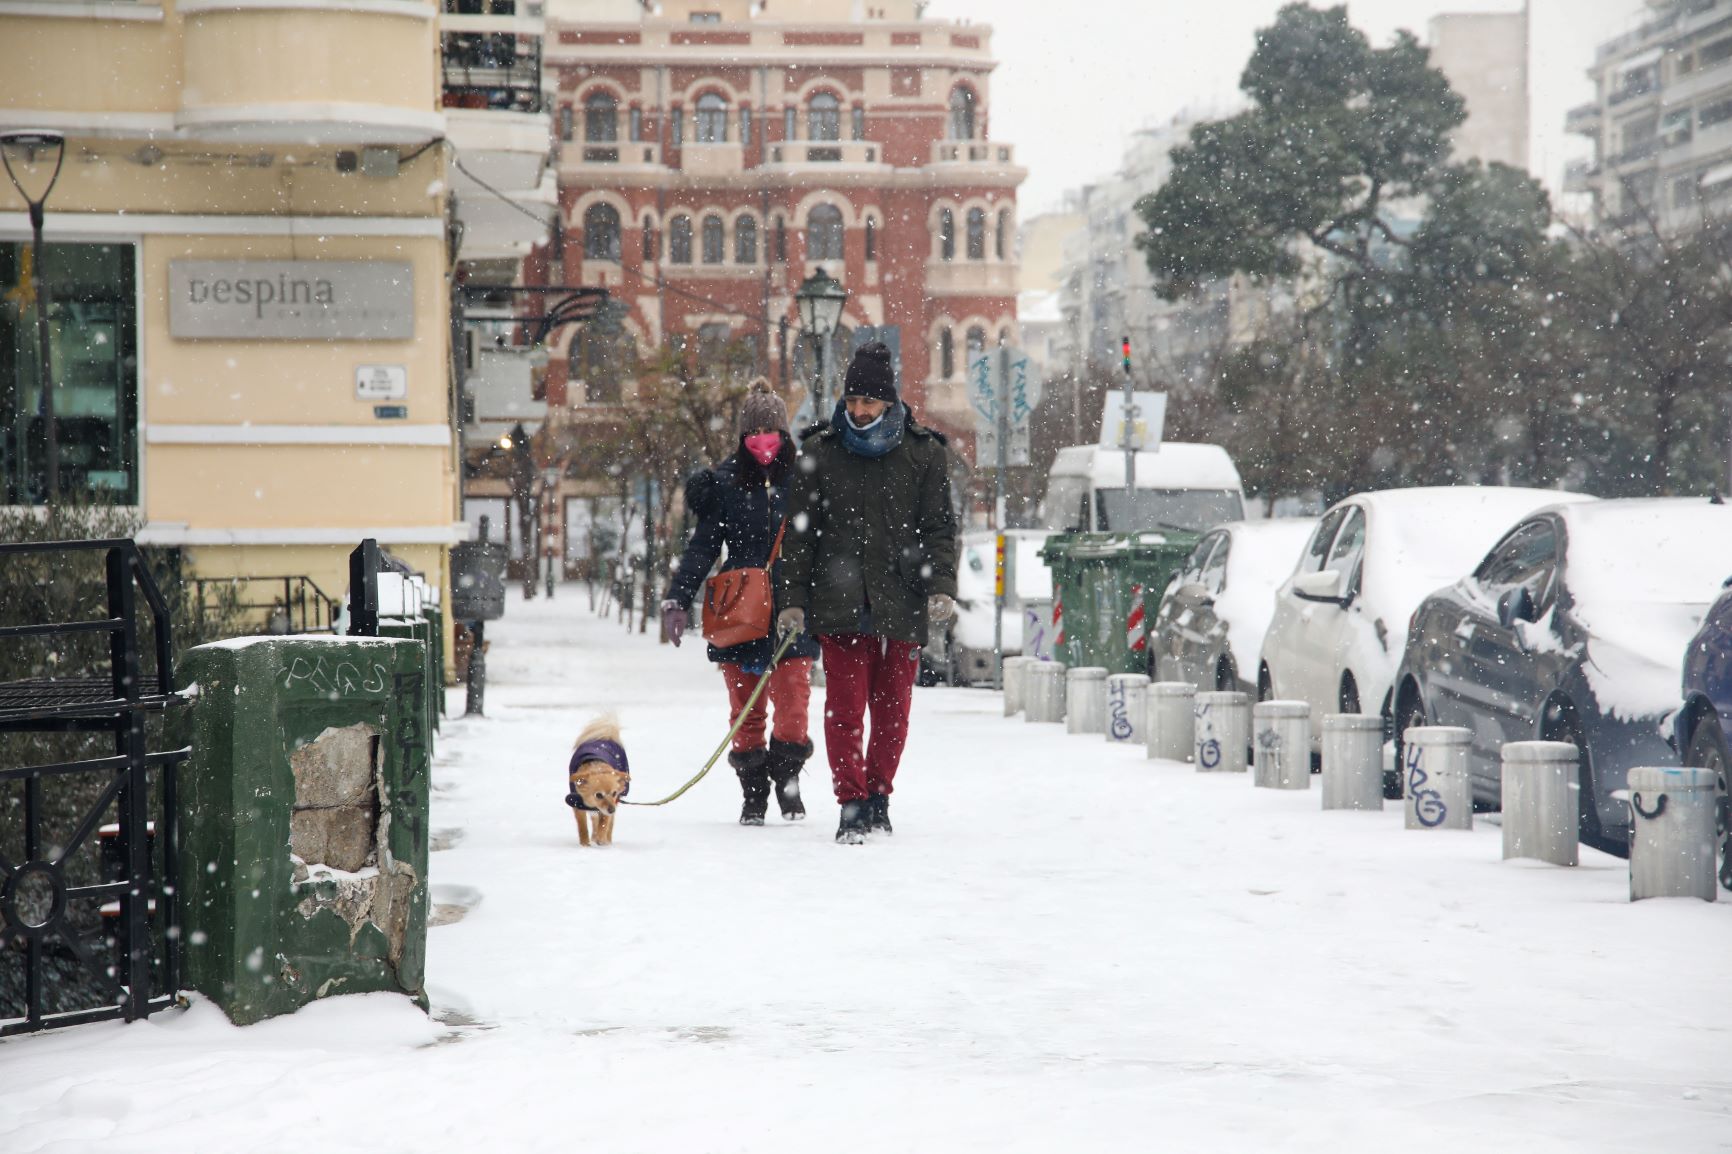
(286, 300)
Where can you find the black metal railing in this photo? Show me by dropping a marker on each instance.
(293, 604)
(499, 71)
(119, 959)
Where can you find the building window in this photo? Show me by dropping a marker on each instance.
(789, 124)
(650, 247)
(946, 354)
(962, 113)
(871, 239)
(781, 241)
(680, 240)
(713, 246)
(706, 17)
(567, 121)
(713, 340)
(93, 334)
(858, 115)
(824, 233)
(976, 343)
(745, 126)
(946, 234)
(824, 117)
(1002, 235)
(746, 240)
(601, 355)
(601, 232)
(600, 119)
(677, 126)
(977, 234)
(635, 121)
(712, 119)
(1716, 113)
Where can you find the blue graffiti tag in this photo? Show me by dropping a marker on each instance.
(1428, 804)
(1209, 754)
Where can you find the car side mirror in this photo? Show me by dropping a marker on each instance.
(1323, 585)
(1515, 605)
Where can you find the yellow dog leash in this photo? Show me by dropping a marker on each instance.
(787, 640)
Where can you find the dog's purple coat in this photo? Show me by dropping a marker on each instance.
(609, 753)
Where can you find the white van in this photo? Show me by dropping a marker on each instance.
(1179, 486)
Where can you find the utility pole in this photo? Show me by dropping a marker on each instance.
(1001, 398)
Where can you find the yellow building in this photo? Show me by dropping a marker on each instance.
(249, 248)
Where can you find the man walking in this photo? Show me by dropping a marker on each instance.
(869, 562)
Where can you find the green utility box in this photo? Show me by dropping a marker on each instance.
(426, 631)
(303, 817)
(1096, 577)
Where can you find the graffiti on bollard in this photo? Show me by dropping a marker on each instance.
(1428, 805)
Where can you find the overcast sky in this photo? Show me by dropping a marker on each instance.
(1074, 78)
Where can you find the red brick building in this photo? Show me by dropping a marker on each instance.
(714, 155)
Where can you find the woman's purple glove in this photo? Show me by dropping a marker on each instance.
(674, 621)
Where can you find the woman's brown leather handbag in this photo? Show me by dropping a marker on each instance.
(740, 604)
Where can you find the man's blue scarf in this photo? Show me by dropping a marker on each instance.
(880, 438)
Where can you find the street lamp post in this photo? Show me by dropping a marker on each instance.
(820, 298)
(550, 510)
(29, 144)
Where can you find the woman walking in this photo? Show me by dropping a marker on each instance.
(871, 563)
(742, 503)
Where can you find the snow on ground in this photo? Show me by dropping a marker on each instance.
(1064, 947)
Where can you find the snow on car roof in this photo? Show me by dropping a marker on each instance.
(1177, 465)
(1641, 574)
(1422, 539)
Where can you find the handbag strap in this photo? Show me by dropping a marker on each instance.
(776, 549)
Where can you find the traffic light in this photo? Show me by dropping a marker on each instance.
(1126, 343)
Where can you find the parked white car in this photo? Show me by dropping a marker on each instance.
(1210, 625)
(1340, 623)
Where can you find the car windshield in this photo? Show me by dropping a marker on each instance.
(1199, 509)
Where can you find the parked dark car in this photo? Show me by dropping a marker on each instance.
(1209, 627)
(1700, 730)
(1572, 629)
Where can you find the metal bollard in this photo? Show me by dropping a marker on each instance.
(1283, 745)
(1434, 765)
(1222, 729)
(1016, 684)
(1172, 728)
(1541, 791)
(1127, 702)
(1085, 702)
(1043, 692)
(1673, 850)
(1352, 761)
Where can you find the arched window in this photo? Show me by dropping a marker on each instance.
(601, 232)
(999, 246)
(746, 240)
(946, 234)
(600, 118)
(714, 251)
(977, 234)
(962, 113)
(651, 248)
(823, 117)
(824, 233)
(712, 119)
(602, 353)
(976, 344)
(871, 239)
(946, 355)
(680, 240)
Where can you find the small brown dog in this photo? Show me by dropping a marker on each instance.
(599, 776)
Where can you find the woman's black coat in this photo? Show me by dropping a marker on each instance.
(737, 505)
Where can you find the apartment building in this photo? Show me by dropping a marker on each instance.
(1661, 120)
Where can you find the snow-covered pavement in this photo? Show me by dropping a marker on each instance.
(1063, 947)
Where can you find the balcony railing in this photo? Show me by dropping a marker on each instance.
(788, 152)
(500, 71)
(1584, 119)
(1643, 85)
(973, 152)
(1637, 152)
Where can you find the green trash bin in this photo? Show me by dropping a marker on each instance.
(1096, 579)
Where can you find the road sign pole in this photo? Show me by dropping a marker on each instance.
(1130, 443)
(1001, 393)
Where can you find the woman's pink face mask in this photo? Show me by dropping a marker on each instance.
(764, 446)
